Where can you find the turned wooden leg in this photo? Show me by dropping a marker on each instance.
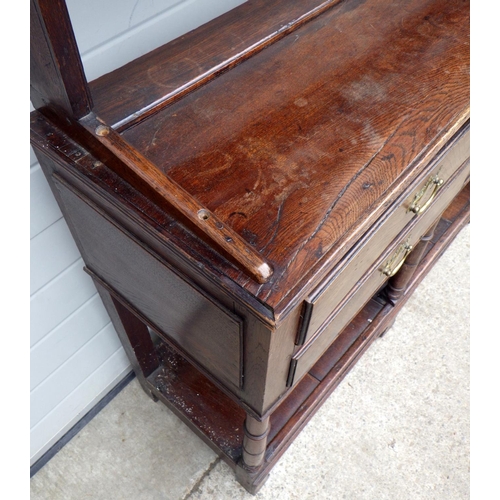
(396, 286)
(249, 472)
(134, 336)
(255, 441)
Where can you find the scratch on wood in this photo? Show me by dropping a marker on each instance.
(276, 226)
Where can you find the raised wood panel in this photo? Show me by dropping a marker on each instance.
(66, 339)
(72, 408)
(197, 323)
(51, 252)
(44, 210)
(72, 373)
(58, 300)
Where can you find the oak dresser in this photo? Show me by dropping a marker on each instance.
(256, 200)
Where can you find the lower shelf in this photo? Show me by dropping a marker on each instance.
(218, 420)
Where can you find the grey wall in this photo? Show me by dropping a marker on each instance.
(76, 357)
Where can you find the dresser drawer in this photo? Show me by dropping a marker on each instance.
(416, 201)
(373, 279)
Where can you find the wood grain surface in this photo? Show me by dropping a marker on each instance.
(301, 158)
(142, 87)
(330, 292)
(137, 170)
(373, 280)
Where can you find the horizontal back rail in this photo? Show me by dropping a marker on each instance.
(169, 72)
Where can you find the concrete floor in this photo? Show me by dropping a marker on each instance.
(397, 427)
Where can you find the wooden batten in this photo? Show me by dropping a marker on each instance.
(141, 173)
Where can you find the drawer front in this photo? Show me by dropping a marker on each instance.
(372, 281)
(336, 286)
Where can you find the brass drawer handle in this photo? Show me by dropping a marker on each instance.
(390, 269)
(435, 182)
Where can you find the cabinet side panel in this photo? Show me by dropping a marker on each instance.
(205, 330)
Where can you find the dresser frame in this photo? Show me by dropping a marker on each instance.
(242, 373)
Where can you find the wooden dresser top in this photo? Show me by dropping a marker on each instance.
(303, 146)
(296, 147)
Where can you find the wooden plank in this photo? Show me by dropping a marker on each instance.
(141, 87)
(136, 169)
(207, 410)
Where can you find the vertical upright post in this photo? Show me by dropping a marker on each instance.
(57, 76)
(255, 441)
(135, 338)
